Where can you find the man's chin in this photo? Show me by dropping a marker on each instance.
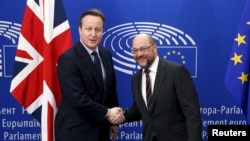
(92, 46)
(142, 64)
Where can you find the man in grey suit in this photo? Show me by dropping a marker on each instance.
(88, 92)
(168, 105)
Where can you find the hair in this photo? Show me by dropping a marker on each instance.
(93, 12)
(151, 39)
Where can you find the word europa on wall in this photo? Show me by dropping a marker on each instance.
(208, 111)
(240, 132)
(222, 110)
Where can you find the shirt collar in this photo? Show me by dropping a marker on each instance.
(153, 67)
(89, 50)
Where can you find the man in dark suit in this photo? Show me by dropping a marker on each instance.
(89, 96)
(170, 111)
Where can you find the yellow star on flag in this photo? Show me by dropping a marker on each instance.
(240, 39)
(236, 59)
(243, 77)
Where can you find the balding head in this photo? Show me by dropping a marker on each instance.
(142, 39)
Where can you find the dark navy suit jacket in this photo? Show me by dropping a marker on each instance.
(85, 99)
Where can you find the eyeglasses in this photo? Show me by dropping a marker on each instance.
(142, 49)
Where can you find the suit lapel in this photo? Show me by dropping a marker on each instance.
(160, 76)
(104, 59)
(138, 84)
(88, 63)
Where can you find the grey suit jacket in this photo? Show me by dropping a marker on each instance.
(175, 114)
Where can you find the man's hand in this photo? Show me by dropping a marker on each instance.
(115, 115)
(113, 130)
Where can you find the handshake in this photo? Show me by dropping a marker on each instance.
(115, 115)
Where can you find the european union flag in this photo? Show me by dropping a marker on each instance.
(237, 75)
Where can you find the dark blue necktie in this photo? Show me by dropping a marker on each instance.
(97, 62)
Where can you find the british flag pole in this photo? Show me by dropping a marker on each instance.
(45, 34)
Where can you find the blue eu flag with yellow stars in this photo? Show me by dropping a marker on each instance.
(237, 75)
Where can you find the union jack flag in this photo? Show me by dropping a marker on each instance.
(45, 34)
